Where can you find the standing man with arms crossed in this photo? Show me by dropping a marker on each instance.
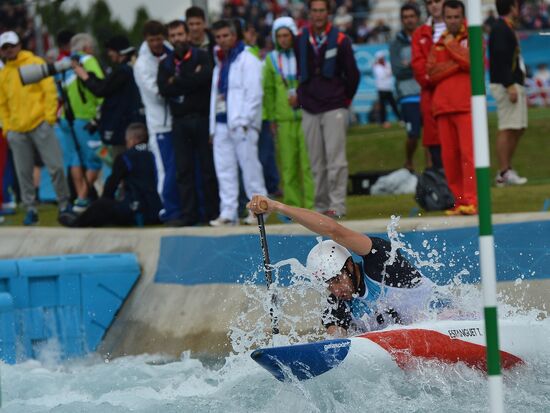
(449, 70)
(328, 80)
(159, 120)
(423, 39)
(28, 114)
(185, 79)
(235, 122)
(408, 90)
(507, 72)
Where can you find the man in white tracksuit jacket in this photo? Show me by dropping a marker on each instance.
(235, 121)
(158, 117)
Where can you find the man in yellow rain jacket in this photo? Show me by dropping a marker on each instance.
(28, 113)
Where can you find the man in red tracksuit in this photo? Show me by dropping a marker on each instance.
(448, 68)
(422, 40)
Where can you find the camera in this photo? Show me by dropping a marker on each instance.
(35, 73)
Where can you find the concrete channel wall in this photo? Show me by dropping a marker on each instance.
(170, 317)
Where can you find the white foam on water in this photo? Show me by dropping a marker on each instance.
(140, 384)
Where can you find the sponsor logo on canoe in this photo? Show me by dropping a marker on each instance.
(336, 345)
(465, 332)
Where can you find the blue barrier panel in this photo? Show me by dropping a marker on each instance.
(8, 270)
(110, 292)
(193, 260)
(7, 328)
(522, 250)
(72, 299)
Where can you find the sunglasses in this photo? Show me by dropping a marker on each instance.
(8, 46)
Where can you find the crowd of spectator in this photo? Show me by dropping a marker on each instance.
(534, 15)
(210, 119)
(15, 17)
(207, 104)
(350, 17)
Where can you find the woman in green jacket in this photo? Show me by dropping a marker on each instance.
(281, 107)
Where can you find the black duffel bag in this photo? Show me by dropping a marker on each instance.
(432, 191)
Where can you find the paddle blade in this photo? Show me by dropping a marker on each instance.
(302, 361)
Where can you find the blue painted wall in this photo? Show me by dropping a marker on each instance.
(71, 298)
(522, 250)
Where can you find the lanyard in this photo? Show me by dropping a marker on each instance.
(313, 40)
(517, 51)
(508, 22)
(178, 62)
(280, 64)
(317, 47)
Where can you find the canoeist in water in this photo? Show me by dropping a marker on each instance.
(381, 289)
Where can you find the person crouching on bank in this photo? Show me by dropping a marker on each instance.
(130, 196)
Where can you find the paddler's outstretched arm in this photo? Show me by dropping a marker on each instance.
(316, 222)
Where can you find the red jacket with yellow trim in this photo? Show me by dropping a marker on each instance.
(448, 68)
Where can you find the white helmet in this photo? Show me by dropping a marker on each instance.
(326, 260)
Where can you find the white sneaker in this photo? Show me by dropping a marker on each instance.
(510, 177)
(222, 222)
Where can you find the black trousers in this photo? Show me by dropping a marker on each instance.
(191, 146)
(435, 152)
(106, 212)
(386, 97)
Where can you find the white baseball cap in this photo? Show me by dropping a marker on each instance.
(9, 38)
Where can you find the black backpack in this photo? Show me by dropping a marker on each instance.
(432, 191)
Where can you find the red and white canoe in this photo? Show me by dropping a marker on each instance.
(446, 341)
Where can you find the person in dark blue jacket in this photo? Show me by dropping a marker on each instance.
(122, 104)
(129, 196)
(184, 79)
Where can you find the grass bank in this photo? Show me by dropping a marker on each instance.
(371, 148)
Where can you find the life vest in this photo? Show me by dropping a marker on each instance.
(330, 51)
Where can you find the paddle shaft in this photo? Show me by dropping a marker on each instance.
(268, 275)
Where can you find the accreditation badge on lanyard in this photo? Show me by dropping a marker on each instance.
(522, 66)
(221, 105)
(282, 70)
(521, 62)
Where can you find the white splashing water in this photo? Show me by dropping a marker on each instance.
(153, 383)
